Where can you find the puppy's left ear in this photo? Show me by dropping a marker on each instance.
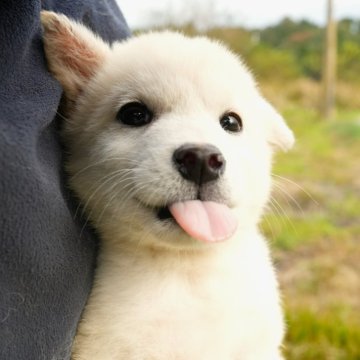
(279, 134)
(74, 53)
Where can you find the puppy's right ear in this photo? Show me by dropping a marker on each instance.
(74, 53)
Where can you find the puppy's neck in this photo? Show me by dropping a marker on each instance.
(132, 252)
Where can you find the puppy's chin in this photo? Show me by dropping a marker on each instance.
(142, 226)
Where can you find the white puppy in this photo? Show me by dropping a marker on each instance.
(170, 146)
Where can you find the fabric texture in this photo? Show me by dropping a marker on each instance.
(46, 259)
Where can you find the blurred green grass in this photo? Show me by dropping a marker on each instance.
(314, 221)
(329, 335)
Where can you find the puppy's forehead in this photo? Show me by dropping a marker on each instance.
(168, 68)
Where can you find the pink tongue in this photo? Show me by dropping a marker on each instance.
(205, 220)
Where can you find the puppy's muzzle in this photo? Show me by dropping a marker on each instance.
(199, 163)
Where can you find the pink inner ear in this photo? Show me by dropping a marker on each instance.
(76, 53)
(73, 52)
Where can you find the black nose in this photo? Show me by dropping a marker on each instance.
(199, 163)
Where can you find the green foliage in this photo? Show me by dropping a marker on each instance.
(349, 60)
(279, 65)
(304, 40)
(239, 39)
(322, 335)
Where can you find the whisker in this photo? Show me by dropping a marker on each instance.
(297, 185)
(270, 226)
(108, 191)
(279, 218)
(131, 161)
(286, 195)
(286, 216)
(62, 116)
(99, 182)
(108, 178)
(132, 192)
(129, 194)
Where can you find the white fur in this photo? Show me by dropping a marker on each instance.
(159, 294)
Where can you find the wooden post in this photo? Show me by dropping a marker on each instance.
(329, 68)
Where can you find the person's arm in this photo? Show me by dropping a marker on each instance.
(46, 267)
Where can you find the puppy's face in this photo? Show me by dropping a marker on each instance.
(170, 141)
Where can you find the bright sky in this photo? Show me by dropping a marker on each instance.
(253, 13)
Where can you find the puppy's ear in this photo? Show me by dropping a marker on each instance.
(73, 52)
(279, 133)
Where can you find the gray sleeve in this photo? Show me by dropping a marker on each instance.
(47, 257)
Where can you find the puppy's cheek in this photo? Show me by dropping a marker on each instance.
(141, 226)
(128, 221)
(250, 185)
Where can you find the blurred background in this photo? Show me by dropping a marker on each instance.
(306, 58)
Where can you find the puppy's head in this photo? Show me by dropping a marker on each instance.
(170, 141)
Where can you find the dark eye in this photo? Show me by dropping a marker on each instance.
(134, 114)
(231, 122)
